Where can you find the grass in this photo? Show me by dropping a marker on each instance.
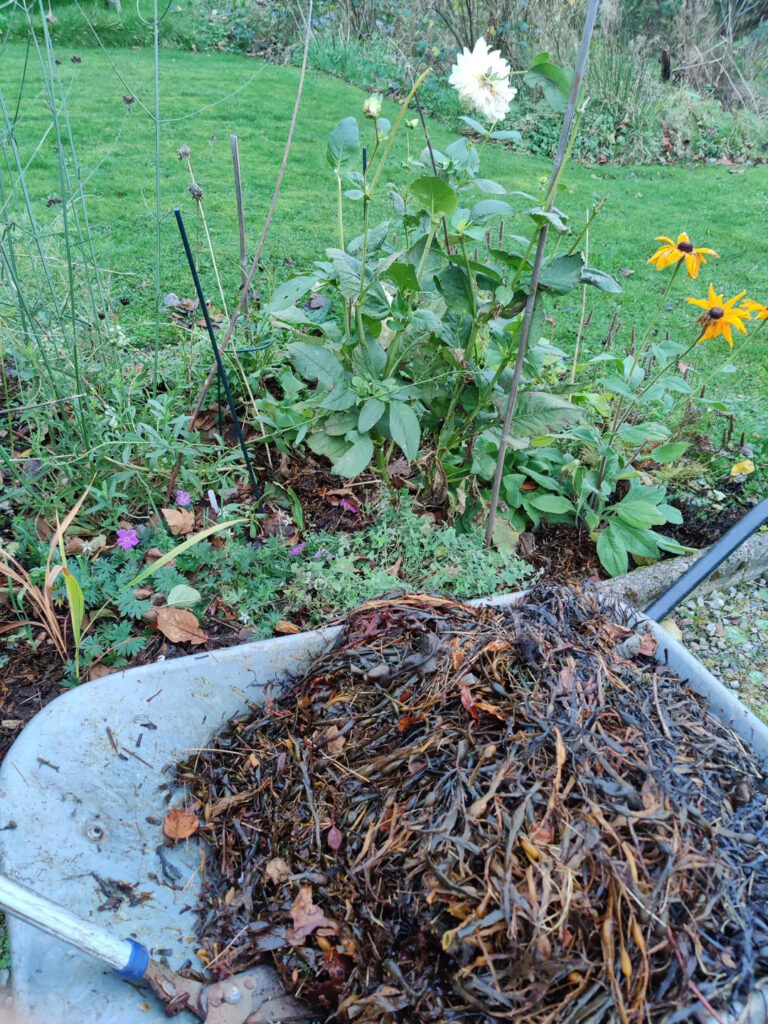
(252, 99)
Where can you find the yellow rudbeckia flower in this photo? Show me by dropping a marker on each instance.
(683, 249)
(720, 316)
(760, 311)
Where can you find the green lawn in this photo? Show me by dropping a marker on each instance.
(116, 147)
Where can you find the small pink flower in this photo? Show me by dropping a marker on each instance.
(183, 498)
(297, 548)
(127, 539)
(323, 553)
(347, 505)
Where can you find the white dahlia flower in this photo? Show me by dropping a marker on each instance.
(481, 78)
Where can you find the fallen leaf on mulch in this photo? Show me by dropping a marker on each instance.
(179, 626)
(307, 916)
(277, 871)
(99, 671)
(334, 741)
(180, 520)
(180, 823)
(283, 626)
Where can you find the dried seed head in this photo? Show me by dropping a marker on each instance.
(685, 246)
(716, 312)
(195, 191)
(184, 152)
(51, 18)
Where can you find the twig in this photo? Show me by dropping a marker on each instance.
(243, 304)
(562, 148)
(240, 213)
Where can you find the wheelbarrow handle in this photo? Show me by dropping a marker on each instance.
(126, 957)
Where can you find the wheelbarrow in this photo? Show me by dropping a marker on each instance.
(83, 794)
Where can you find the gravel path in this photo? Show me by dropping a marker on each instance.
(728, 632)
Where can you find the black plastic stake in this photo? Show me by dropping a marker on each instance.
(709, 561)
(217, 354)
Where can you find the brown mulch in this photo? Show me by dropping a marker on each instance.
(30, 680)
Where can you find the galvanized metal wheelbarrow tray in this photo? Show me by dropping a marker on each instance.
(83, 795)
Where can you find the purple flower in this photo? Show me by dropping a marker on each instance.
(127, 539)
(183, 498)
(297, 548)
(323, 553)
(347, 505)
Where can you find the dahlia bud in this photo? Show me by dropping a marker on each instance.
(195, 191)
(184, 153)
(372, 106)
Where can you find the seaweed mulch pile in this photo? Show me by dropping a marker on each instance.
(476, 814)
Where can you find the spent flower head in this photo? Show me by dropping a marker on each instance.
(127, 539)
(683, 249)
(184, 152)
(195, 191)
(481, 78)
(372, 106)
(719, 316)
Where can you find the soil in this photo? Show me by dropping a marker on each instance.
(30, 680)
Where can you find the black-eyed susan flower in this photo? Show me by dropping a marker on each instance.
(755, 309)
(683, 249)
(719, 316)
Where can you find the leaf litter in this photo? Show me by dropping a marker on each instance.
(528, 820)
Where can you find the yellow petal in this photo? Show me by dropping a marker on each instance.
(683, 238)
(729, 304)
(708, 252)
(743, 468)
(714, 299)
(725, 330)
(699, 302)
(692, 263)
(663, 238)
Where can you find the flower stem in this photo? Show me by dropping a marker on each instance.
(396, 125)
(640, 350)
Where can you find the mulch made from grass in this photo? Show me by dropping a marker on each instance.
(463, 813)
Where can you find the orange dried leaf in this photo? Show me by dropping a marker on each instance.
(180, 823)
(179, 626)
(283, 626)
(277, 871)
(180, 520)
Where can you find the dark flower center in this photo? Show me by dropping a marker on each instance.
(716, 312)
(685, 246)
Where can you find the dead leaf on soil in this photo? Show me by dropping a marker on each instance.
(179, 626)
(180, 823)
(334, 742)
(277, 871)
(648, 645)
(99, 671)
(307, 916)
(180, 520)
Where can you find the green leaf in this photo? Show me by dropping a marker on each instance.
(554, 81)
(437, 196)
(370, 414)
(340, 424)
(670, 452)
(640, 514)
(490, 208)
(474, 125)
(674, 515)
(512, 483)
(454, 286)
(355, 459)
(556, 218)
(562, 274)
(507, 135)
(348, 270)
(598, 278)
(315, 362)
(640, 433)
(324, 444)
(344, 145)
(612, 553)
(637, 542)
(541, 412)
(288, 293)
(483, 465)
(490, 187)
(404, 425)
(554, 503)
(183, 596)
(672, 546)
(403, 276)
(340, 398)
